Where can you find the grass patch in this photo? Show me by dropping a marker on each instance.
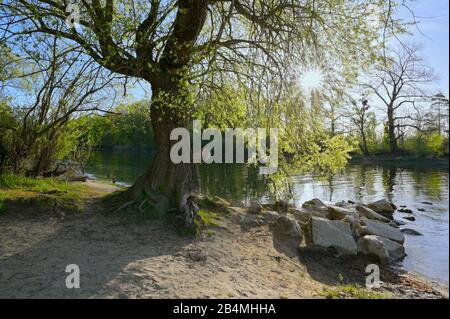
(17, 182)
(353, 292)
(204, 221)
(41, 193)
(206, 218)
(210, 204)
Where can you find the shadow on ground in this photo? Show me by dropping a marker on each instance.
(35, 250)
(323, 266)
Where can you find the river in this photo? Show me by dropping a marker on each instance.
(419, 186)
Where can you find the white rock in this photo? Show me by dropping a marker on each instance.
(318, 211)
(372, 246)
(338, 213)
(287, 235)
(286, 227)
(330, 234)
(396, 251)
(371, 214)
(371, 227)
(301, 215)
(384, 249)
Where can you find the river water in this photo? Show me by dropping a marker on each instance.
(420, 185)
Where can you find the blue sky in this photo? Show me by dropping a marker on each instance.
(433, 34)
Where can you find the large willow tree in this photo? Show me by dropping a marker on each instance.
(186, 49)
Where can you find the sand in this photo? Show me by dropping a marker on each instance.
(127, 258)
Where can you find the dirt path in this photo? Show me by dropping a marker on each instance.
(128, 259)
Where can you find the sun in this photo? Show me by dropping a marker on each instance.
(312, 80)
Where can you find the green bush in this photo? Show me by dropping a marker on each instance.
(425, 145)
(129, 128)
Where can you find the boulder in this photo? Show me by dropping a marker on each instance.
(343, 204)
(271, 216)
(382, 206)
(412, 232)
(301, 215)
(338, 213)
(370, 227)
(286, 227)
(384, 249)
(399, 222)
(347, 204)
(282, 206)
(371, 246)
(393, 224)
(316, 207)
(316, 202)
(334, 234)
(287, 235)
(410, 218)
(371, 214)
(355, 225)
(396, 251)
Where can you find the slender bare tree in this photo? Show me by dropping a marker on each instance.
(52, 87)
(399, 81)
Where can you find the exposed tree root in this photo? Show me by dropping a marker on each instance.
(126, 205)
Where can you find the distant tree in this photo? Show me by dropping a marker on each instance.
(439, 113)
(399, 80)
(51, 89)
(361, 119)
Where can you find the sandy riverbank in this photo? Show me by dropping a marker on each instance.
(126, 257)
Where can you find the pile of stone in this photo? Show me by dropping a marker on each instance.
(347, 228)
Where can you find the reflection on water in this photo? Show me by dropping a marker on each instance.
(409, 185)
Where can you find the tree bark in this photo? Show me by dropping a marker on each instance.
(391, 130)
(363, 145)
(166, 185)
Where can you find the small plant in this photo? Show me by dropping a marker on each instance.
(207, 218)
(353, 292)
(203, 223)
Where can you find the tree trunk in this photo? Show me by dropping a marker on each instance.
(391, 131)
(166, 185)
(364, 146)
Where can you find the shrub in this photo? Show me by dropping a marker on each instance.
(425, 145)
